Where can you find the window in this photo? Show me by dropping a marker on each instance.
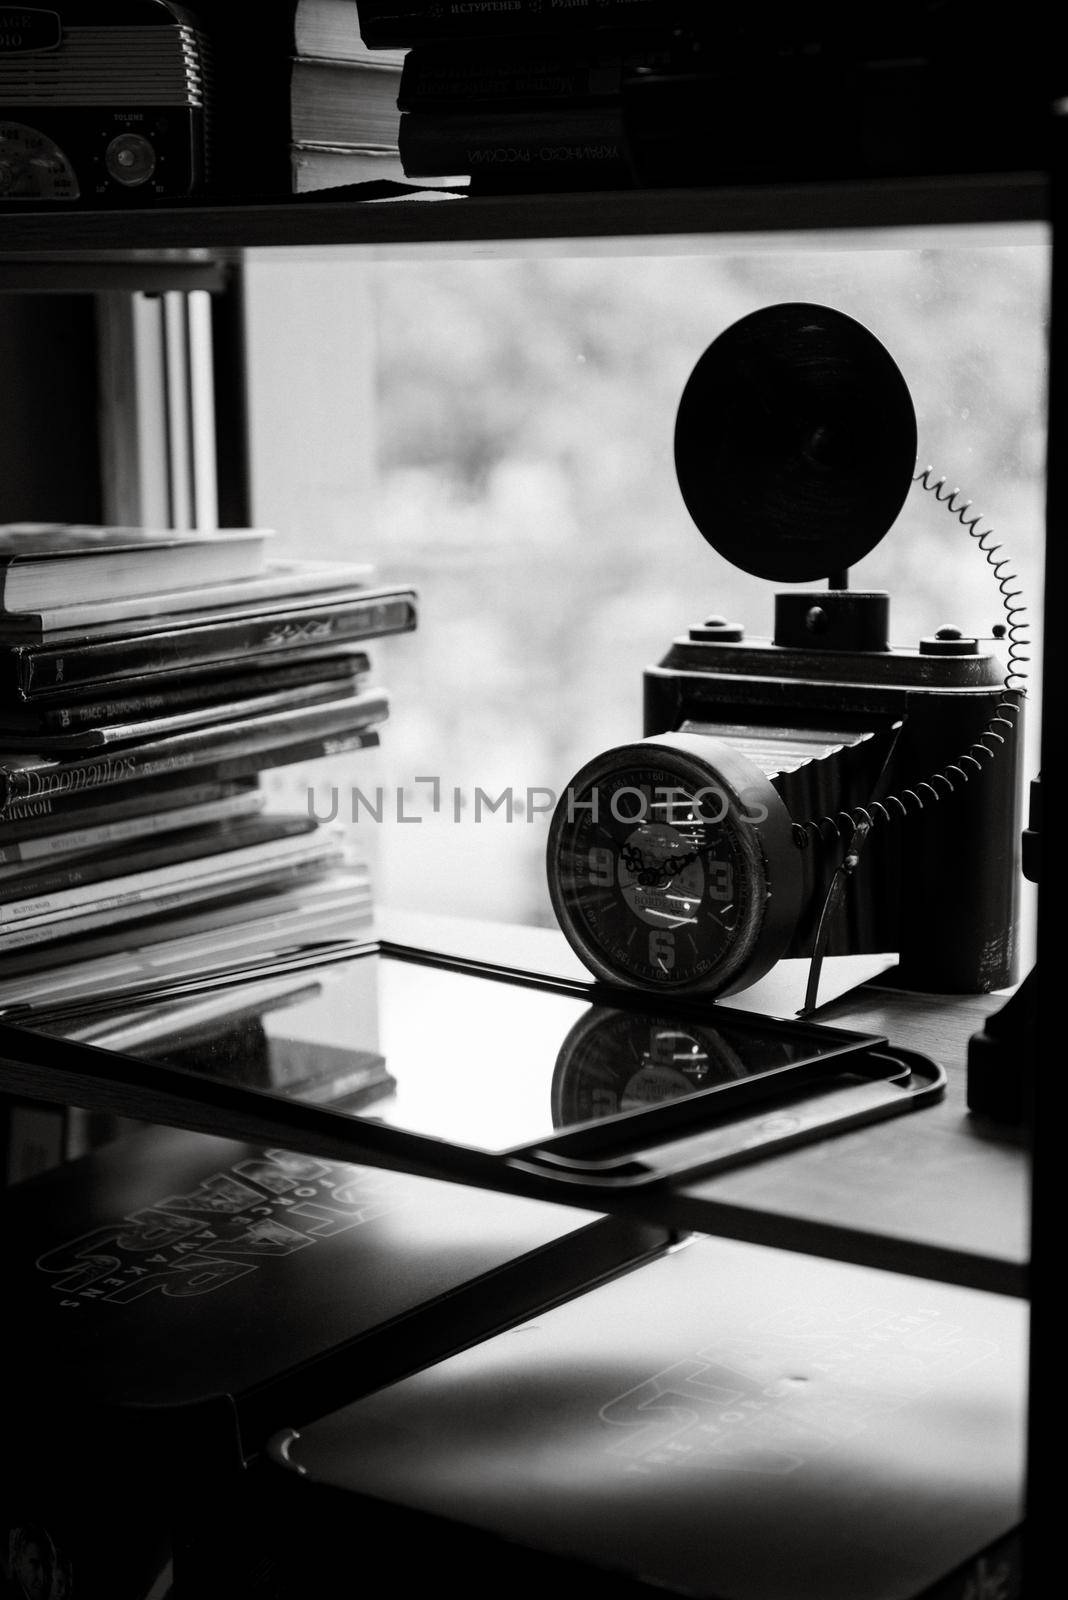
(499, 432)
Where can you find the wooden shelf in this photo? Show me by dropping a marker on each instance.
(147, 271)
(313, 220)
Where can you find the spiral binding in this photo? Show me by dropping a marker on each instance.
(982, 749)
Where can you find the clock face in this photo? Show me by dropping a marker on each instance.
(615, 1061)
(671, 865)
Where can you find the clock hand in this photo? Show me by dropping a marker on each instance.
(675, 864)
(659, 873)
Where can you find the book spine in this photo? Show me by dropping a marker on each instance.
(224, 688)
(47, 814)
(37, 580)
(78, 841)
(192, 939)
(448, 80)
(223, 713)
(224, 771)
(513, 143)
(45, 893)
(272, 590)
(279, 875)
(210, 746)
(141, 888)
(398, 23)
(296, 755)
(43, 670)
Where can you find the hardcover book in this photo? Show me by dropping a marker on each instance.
(344, 102)
(302, 862)
(277, 583)
(222, 747)
(331, 166)
(331, 28)
(343, 111)
(335, 904)
(29, 856)
(207, 687)
(59, 887)
(533, 147)
(54, 813)
(229, 864)
(399, 23)
(143, 730)
(21, 856)
(47, 564)
(507, 74)
(53, 669)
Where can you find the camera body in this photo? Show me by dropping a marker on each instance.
(819, 792)
(835, 716)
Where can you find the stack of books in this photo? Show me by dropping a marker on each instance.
(555, 94)
(344, 115)
(523, 95)
(147, 681)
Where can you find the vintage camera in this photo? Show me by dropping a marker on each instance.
(819, 792)
(102, 104)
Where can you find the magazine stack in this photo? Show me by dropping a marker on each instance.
(147, 682)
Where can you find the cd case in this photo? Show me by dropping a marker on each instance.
(550, 1087)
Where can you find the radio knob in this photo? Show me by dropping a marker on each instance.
(130, 159)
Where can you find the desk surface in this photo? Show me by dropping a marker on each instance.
(934, 1193)
(939, 1193)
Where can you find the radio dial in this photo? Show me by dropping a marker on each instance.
(130, 159)
(32, 166)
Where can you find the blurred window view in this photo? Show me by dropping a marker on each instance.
(499, 432)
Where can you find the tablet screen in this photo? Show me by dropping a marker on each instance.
(462, 1055)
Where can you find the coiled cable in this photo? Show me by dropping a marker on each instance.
(969, 764)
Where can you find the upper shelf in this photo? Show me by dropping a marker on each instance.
(314, 220)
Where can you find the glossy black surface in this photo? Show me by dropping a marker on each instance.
(460, 1056)
(795, 442)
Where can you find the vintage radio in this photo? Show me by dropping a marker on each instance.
(819, 792)
(102, 104)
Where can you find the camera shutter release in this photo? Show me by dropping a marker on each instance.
(949, 641)
(130, 159)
